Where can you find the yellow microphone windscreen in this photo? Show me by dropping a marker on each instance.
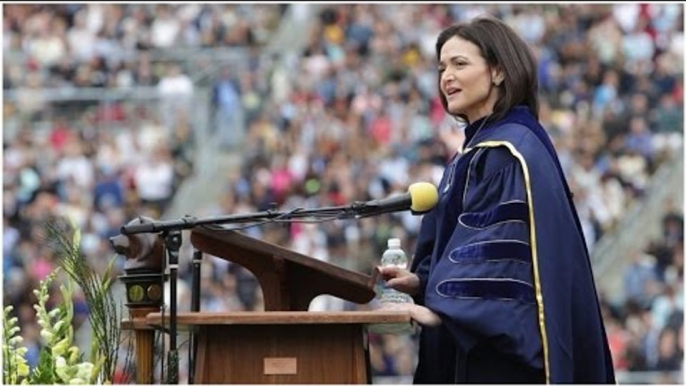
(424, 196)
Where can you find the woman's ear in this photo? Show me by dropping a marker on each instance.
(497, 75)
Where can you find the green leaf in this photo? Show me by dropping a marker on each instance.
(104, 315)
(44, 373)
(77, 238)
(61, 347)
(97, 368)
(108, 274)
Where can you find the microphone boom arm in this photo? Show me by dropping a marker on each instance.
(189, 222)
(420, 198)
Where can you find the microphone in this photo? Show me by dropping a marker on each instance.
(421, 197)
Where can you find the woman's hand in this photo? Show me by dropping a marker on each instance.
(400, 279)
(419, 314)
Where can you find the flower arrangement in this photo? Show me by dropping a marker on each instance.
(14, 363)
(59, 360)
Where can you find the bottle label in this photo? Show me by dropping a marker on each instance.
(390, 295)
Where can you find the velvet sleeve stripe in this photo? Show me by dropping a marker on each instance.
(505, 212)
(491, 289)
(491, 251)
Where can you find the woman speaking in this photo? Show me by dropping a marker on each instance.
(501, 275)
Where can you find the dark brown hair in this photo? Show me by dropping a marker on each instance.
(501, 47)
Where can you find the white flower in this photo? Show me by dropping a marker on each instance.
(61, 369)
(84, 370)
(16, 340)
(58, 325)
(60, 362)
(47, 335)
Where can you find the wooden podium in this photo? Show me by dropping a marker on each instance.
(283, 347)
(285, 344)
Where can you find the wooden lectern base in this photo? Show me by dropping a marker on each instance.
(277, 354)
(283, 347)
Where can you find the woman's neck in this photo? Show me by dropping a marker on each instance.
(479, 115)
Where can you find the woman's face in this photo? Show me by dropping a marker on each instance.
(466, 81)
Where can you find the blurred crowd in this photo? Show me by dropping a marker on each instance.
(100, 164)
(354, 116)
(109, 45)
(646, 330)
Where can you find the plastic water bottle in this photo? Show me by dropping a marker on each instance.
(394, 256)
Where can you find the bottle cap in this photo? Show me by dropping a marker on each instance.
(394, 243)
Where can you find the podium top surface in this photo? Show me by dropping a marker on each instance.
(283, 317)
(232, 245)
(289, 280)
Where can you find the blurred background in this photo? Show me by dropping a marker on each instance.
(111, 111)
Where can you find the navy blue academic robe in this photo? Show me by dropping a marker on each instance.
(503, 261)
